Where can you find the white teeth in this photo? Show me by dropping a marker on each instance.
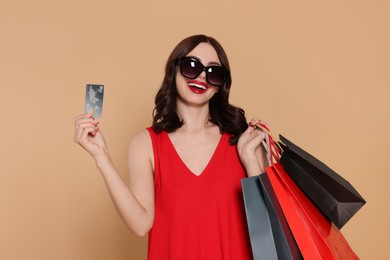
(197, 86)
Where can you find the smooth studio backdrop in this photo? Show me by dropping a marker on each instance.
(317, 71)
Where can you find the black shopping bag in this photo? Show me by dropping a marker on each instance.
(332, 194)
(269, 232)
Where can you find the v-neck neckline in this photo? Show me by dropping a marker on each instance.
(208, 163)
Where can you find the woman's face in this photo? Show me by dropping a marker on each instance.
(197, 91)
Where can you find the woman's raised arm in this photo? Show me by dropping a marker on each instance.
(134, 203)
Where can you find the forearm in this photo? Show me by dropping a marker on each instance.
(129, 208)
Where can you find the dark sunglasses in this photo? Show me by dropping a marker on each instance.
(191, 68)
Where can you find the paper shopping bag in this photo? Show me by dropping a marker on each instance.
(316, 237)
(332, 194)
(269, 233)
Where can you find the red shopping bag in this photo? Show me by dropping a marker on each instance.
(316, 237)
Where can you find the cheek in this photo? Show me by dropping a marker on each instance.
(180, 80)
(214, 90)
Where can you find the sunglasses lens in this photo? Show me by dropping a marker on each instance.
(216, 75)
(190, 68)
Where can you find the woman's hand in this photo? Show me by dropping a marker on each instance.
(88, 136)
(251, 153)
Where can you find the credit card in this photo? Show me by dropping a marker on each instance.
(94, 100)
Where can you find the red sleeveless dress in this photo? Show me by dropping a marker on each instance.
(198, 217)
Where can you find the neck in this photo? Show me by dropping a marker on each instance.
(195, 117)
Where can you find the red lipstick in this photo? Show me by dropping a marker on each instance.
(198, 87)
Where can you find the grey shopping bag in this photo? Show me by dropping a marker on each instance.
(269, 232)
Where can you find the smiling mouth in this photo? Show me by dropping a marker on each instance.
(198, 86)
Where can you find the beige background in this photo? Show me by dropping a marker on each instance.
(317, 71)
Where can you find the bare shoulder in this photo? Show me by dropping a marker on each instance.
(141, 142)
(141, 138)
(140, 147)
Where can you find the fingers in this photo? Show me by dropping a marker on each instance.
(258, 134)
(85, 118)
(83, 131)
(256, 121)
(253, 135)
(255, 132)
(77, 118)
(85, 125)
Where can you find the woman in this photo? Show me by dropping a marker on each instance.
(185, 170)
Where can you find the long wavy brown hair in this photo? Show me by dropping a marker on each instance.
(230, 119)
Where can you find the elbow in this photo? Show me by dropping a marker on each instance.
(143, 229)
(141, 233)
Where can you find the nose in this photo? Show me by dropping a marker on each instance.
(202, 75)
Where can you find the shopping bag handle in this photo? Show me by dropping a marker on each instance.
(276, 142)
(273, 149)
(265, 129)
